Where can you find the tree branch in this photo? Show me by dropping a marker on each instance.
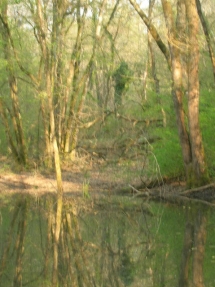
(153, 32)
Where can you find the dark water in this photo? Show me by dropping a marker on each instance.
(117, 242)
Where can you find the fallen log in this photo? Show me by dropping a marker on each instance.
(204, 195)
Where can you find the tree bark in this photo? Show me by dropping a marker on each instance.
(177, 70)
(199, 174)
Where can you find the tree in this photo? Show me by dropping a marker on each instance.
(11, 116)
(179, 41)
(207, 33)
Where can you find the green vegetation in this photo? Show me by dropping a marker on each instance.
(207, 118)
(110, 92)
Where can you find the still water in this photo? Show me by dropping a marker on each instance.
(109, 242)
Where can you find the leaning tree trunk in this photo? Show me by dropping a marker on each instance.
(207, 35)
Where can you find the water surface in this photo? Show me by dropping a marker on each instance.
(110, 242)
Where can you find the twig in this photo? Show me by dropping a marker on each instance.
(142, 192)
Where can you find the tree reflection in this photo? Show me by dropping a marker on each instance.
(14, 245)
(93, 250)
(194, 248)
(112, 246)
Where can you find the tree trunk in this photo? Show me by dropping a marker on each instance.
(18, 148)
(191, 140)
(177, 70)
(207, 35)
(198, 175)
(153, 31)
(76, 82)
(151, 51)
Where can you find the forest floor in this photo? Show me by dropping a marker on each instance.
(92, 177)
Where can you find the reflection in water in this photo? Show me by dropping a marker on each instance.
(15, 242)
(117, 244)
(194, 248)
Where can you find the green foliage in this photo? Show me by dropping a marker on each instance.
(15, 1)
(3, 64)
(122, 78)
(3, 140)
(115, 131)
(85, 189)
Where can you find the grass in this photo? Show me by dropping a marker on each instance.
(207, 120)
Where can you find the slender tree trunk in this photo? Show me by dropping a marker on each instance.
(17, 282)
(80, 83)
(164, 49)
(76, 82)
(48, 147)
(207, 35)
(151, 51)
(20, 146)
(3, 113)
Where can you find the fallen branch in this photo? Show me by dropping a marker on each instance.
(199, 189)
(135, 121)
(204, 195)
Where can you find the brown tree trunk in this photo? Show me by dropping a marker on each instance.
(190, 139)
(177, 70)
(199, 173)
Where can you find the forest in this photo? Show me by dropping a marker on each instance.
(125, 84)
(107, 156)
